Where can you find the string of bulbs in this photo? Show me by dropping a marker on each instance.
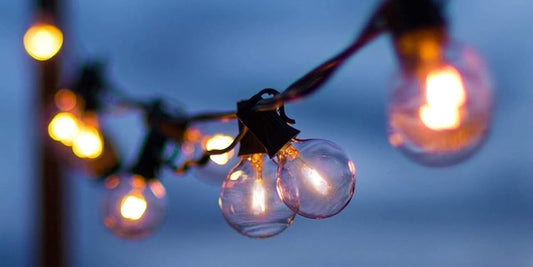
(439, 114)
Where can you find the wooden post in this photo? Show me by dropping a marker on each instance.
(51, 193)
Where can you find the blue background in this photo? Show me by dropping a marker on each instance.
(209, 54)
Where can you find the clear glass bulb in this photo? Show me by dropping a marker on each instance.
(249, 201)
(211, 136)
(440, 112)
(134, 206)
(316, 179)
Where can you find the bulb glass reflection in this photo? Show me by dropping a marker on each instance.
(249, 201)
(134, 207)
(43, 41)
(316, 179)
(440, 112)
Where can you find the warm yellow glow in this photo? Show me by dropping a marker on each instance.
(64, 127)
(444, 88)
(133, 207)
(440, 118)
(316, 180)
(445, 94)
(258, 197)
(234, 176)
(88, 143)
(43, 41)
(219, 141)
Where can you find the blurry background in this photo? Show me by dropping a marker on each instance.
(209, 54)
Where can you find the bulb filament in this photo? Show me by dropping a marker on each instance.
(258, 189)
(445, 94)
(133, 207)
(258, 197)
(317, 182)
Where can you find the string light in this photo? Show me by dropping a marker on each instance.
(316, 178)
(249, 201)
(200, 137)
(438, 114)
(77, 125)
(219, 141)
(64, 127)
(440, 110)
(42, 41)
(134, 206)
(135, 202)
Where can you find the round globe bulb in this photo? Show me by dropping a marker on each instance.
(316, 179)
(440, 113)
(134, 206)
(88, 143)
(249, 201)
(211, 136)
(64, 127)
(43, 41)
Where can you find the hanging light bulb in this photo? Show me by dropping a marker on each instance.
(316, 179)
(42, 41)
(134, 205)
(211, 136)
(88, 143)
(249, 201)
(219, 141)
(440, 109)
(64, 127)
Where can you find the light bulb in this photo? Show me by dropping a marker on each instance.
(211, 136)
(64, 127)
(88, 143)
(219, 141)
(42, 41)
(440, 109)
(134, 206)
(316, 179)
(249, 201)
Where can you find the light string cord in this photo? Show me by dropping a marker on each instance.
(307, 85)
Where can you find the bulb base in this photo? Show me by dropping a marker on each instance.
(267, 130)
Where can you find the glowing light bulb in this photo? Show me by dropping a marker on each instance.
(249, 202)
(64, 127)
(43, 41)
(440, 112)
(219, 141)
(316, 179)
(211, 136)
(88, 143)
(134, 206)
